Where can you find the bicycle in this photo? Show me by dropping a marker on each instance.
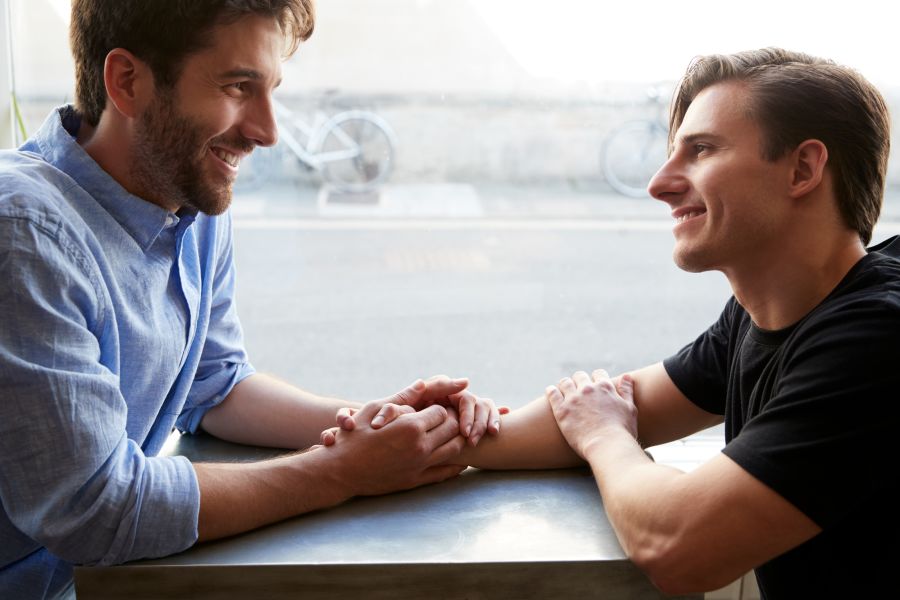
(352, 150)
(634, 151)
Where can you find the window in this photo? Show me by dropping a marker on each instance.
(496, 248)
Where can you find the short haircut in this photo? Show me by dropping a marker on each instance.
(163, 33)
(794, 97)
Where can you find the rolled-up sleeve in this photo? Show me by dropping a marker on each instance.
(223, 362)
(70, 478)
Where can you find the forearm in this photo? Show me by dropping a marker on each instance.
(411, 451)
(264, 411)
(670, 523)
(529, 439)
(638, 494)
(239, 497)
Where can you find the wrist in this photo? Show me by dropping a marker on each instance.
(605, 440)
(320, 469)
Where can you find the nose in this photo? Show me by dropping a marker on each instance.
(259, 124)
(668, 182)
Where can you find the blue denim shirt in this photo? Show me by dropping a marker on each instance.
(117, 323)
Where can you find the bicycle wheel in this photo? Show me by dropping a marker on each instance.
(355, 150)
(631, 155)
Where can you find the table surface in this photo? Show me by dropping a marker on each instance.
(484, 534)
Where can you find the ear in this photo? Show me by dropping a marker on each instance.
(808, 162)
(129, 82)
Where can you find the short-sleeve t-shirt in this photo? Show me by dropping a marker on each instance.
(809, 411)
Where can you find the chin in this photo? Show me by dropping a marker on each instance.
(211, 206)
(212, 201)
(691, 262)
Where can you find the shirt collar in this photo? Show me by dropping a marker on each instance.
(143, 220)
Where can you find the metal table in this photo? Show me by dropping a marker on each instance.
(483, 535)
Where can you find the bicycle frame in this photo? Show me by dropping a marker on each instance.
(305, 152)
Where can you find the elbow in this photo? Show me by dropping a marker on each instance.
(66, 542)
(677, 571)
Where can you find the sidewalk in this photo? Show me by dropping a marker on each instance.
(466, 201)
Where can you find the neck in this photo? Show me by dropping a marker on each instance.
(779, 291)
(109, 144)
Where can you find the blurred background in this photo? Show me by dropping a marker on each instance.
(490, 91)
(459, 192)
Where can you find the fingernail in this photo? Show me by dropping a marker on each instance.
(496, 425)
(377, 421)
(467, 430)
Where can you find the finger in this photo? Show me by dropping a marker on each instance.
(431, 417)
(441, 433)
(599, 374)
(566, 386)
(388, 413)
(440, 386)
(369, 410)
(465, 405)
(626, 388)
(554, 396)
(440, 473)
(328, 437)
(447, 452)
(581, 379)
(345, 419)
(493, 427)
(411, 395)
(482, 413)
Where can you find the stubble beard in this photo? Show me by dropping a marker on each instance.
(168, 167)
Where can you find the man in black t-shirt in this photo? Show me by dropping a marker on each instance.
(775, 177)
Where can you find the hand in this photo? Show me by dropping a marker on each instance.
(346, 419)
(584, 407)
(407, 452)
(476, 415)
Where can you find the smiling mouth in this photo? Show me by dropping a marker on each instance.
(689, 215)
(686, 213)
(227, 157)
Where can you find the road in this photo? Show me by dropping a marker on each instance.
(513, 288)
(359, 307)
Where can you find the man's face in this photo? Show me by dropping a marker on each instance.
(728, 202)
(189, 140)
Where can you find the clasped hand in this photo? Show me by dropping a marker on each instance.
(477, 416)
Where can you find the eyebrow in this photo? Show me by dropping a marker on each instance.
(242, 73)
(694, 137)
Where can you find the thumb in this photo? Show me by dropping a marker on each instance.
(410, 395)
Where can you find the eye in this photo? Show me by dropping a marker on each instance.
(700, 148)
(238, 86)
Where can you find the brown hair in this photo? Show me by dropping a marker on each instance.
(163, 33)
(794, 97)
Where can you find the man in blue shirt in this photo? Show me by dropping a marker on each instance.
(119, 320)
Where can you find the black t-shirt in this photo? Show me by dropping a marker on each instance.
(810, 411)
